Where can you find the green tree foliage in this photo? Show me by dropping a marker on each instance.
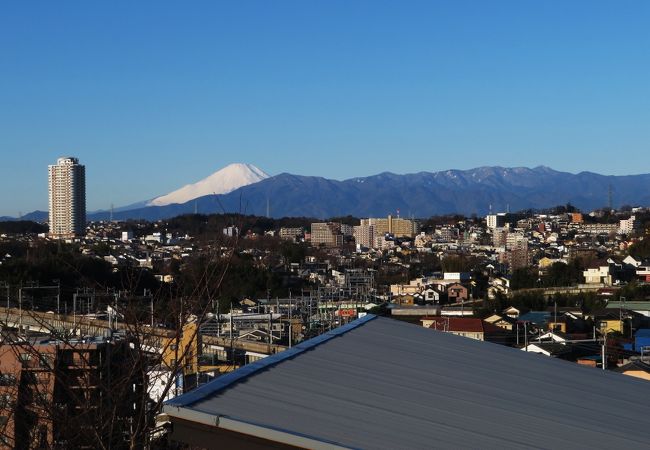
(524, 278)
(536, 301)
(560, 274)
(423, 264)
(22, 227)
(347, 220)
(458, 263)
(293, 253)
(635, 291)
(557, 275)
(641, 249)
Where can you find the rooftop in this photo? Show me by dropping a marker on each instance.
(382, 383)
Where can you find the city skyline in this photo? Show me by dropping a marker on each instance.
(332, 90)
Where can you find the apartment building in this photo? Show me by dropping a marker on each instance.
(291, 233)
(392, 225)
(364, 235)
(328, 234)
(67, 198)
(68, 395)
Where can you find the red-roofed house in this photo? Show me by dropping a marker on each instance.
(464, 326)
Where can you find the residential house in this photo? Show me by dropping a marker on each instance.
(636, 368)
(598, 275)
(472, 328)
(457, 293)
(501, 321)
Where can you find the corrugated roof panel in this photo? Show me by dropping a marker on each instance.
(387, 384)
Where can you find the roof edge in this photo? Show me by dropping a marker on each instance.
(225, 381)
(250, 429)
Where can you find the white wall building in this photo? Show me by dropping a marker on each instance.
(496, 220)
(627, 226)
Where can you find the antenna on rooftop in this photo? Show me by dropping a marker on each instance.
(490, 208)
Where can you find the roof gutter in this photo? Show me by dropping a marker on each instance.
(249, 429)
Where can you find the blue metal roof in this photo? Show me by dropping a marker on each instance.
(388, 384)
(536, 317)
(240, 374)
(642, 333)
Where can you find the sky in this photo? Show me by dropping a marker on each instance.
(153, 95)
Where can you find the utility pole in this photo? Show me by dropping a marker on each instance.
(58, 296)
(517, 334)
(270, 331)
(20, 307)
(526, 335)
(620, 315)
(232, 351)
(74, 310)
(7, 286)
(604, 354)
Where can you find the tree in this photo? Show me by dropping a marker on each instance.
(75, 391)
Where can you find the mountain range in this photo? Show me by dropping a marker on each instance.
(245, 188)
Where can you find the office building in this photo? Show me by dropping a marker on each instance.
(67, 203)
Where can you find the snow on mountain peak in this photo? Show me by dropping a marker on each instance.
(222, 181)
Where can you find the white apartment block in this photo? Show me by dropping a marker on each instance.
(291, 233)
(596, 228)
(67, 198)
(496, 220)
(628, 226)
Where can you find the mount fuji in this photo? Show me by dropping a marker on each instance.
(228, 179)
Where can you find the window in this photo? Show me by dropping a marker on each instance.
(5, 400)
(47, 361)
(7, 379)
(25, 356)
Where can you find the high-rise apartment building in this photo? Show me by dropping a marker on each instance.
(364, 235)
(67, 189)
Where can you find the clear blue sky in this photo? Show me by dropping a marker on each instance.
(154, 95)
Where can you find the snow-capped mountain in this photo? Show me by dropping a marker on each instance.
(420, 194)
(222, 181)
